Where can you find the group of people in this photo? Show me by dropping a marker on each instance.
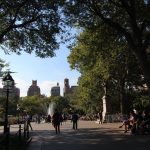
(138, 122)
(27, 121)
(57, 119)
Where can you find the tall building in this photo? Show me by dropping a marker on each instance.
(14, 92)
(34, 89)
(55, 90)
(66, 86)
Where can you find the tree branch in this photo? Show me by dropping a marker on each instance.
(96, 10)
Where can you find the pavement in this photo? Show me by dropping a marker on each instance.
(89, 136)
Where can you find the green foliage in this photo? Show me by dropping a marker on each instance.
(75, 101)
(2, 103)
(61, 103)
(95, 60)
(39, 105)
(99, 63)
(31, 26)
(32, 105)
(142, 102)
(129, 20)
(12, 105)
(2, 65)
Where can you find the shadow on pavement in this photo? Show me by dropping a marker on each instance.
(92, 139)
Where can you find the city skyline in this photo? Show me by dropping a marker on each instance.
(52, 87)
(48, 71)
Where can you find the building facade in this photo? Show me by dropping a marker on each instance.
(33, 89)
(14, 92)
(67, 88)
(55, 90)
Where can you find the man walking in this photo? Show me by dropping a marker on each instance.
(74, 119)
(56, 119)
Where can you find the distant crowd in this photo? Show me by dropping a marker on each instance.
(56, 119)
(138, 122)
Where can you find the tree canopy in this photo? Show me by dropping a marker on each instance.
(30, 26)
(34, 26)
(129, 18)
(102, 63)
(39, 26)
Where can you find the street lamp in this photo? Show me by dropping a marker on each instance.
(18, 110)
(8, 83)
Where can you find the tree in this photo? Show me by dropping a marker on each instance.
(61, 103)
(32, 105)
(2, 65)
(101, 63)
(30, 26)
(2, 106)
(129, 18)
(86, 56)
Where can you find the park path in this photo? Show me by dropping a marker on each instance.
(89, 136)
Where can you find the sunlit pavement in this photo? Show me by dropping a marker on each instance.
(89, 136)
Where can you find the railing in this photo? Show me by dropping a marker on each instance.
(22, 132)
(114, 118)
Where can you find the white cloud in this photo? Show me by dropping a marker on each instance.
(23, 86)
(46, 86)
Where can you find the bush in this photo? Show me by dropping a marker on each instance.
(13, 120)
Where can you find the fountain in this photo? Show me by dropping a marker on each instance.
(50, 109)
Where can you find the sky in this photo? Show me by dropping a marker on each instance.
(47, 71)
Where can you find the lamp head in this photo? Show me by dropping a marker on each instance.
(8, 80)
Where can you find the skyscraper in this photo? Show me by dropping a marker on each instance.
(33, 89)
(66, 86)
(55, 90)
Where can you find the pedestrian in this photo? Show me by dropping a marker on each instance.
(38, 118)
(74, 120)
(28, 120)
(100, 117)
(49, 118)
(64, 117)
(56, 119)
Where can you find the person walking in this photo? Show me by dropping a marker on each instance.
(74, 120)
(56, 119)
(49, 118)
(28, 120)
(100, 117)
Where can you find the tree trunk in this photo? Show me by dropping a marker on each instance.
(121, 94)
(145, 65)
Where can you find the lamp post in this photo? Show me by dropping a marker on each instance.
(8, 83)
(18, 110)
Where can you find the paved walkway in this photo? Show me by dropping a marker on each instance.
(89, 136)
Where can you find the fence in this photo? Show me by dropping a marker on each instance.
(114, 118)
(18, 130)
